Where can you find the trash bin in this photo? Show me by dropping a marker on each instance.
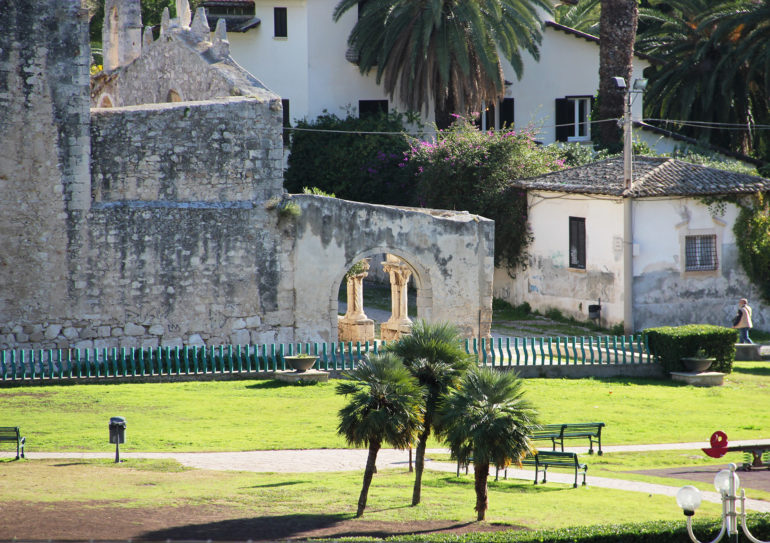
(594, 311)
(117, 430)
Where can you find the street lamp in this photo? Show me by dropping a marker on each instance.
(727, 483)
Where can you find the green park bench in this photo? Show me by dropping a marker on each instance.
(11, 434)
(557, 433)
(545, 459)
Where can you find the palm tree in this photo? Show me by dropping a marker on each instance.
(617, 32)
(487, 417)
(583, 16)
(434, 355)
(700, 79)
(446, 50)
(385, 405)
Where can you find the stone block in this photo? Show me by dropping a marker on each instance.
(52, 331)
(253, 322)
(132, 329)
(88, 333)
(70, 332)
(171, 342)
(702, 379)
(157, 330)
(104, 331)
(195, 340)
(240, 337)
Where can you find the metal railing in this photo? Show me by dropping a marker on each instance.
(125, 362)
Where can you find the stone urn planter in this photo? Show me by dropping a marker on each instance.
(696, 364)
(300, 362)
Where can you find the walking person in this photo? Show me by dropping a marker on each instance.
(743, 321)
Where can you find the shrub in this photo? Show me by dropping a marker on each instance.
(471, 170)
(752, 234)
(640, 532)
(671, 343)
(353, 158)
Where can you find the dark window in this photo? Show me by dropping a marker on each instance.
(572, 118)
(286, 120)
(577, 243)
(506, 112)
(700, 253)
(367, 108)
(506, 115)
(280, 24)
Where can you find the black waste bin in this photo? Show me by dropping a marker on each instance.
(594, 311)
(117, 430)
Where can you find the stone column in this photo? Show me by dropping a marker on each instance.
(355, 325)
(399, 322)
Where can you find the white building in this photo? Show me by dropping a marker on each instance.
(299, 52)
(684, 267)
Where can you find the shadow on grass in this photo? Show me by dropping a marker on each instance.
(275, 485)
(299, 526)
(764, 370)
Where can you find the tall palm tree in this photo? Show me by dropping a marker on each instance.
(445, 50)
(699, 79)
(385, 406)
(487, 417)
(617, 32)
(433, 353)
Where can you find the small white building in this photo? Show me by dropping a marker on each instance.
(300, 53)
(684, 265)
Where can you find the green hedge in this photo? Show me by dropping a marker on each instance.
(645, 532)
(671, 343)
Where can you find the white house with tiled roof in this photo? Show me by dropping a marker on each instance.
(297, 50)
(684, 265)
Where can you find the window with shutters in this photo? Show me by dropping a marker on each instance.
(700, 253)
(280, 23)
(488, 119)
(573, 116)
(577, 243)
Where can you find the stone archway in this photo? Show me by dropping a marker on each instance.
(400, 266)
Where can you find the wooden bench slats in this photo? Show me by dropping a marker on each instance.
(560, 432)
(11, 434)
(545, 459)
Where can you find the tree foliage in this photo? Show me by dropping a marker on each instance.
(715, 58)
(353, 158)
(384, 406)
(487, 418)
(466, 169)
(752, 234)
(433, 353)
(444, 50)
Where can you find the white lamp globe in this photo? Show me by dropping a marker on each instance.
(723, 479)
(688, 498)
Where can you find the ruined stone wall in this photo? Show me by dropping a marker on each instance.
(178, 66)
(451, 255)
(44, 143)
(227, 150)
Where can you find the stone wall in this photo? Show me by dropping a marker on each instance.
(181, 241)
(44, 143)
(226, 150)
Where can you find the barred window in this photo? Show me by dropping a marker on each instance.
(700, 253)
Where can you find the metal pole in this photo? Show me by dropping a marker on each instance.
(117, 451)
(628, 233)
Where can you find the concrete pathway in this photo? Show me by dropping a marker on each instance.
(329, 460)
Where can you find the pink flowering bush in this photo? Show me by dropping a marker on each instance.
(466, 169)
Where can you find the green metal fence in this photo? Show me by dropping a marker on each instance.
(116, 363)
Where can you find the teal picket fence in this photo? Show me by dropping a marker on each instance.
(116, 363)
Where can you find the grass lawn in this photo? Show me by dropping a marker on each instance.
(249, 415)
(151, 483)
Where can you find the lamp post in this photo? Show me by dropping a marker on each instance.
(628, 222)
(727, 483)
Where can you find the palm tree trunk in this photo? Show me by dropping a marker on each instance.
(480, 474)
(371, 463)
(419, 464)
(617, 32)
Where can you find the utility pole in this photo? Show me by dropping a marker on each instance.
(628, 204)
